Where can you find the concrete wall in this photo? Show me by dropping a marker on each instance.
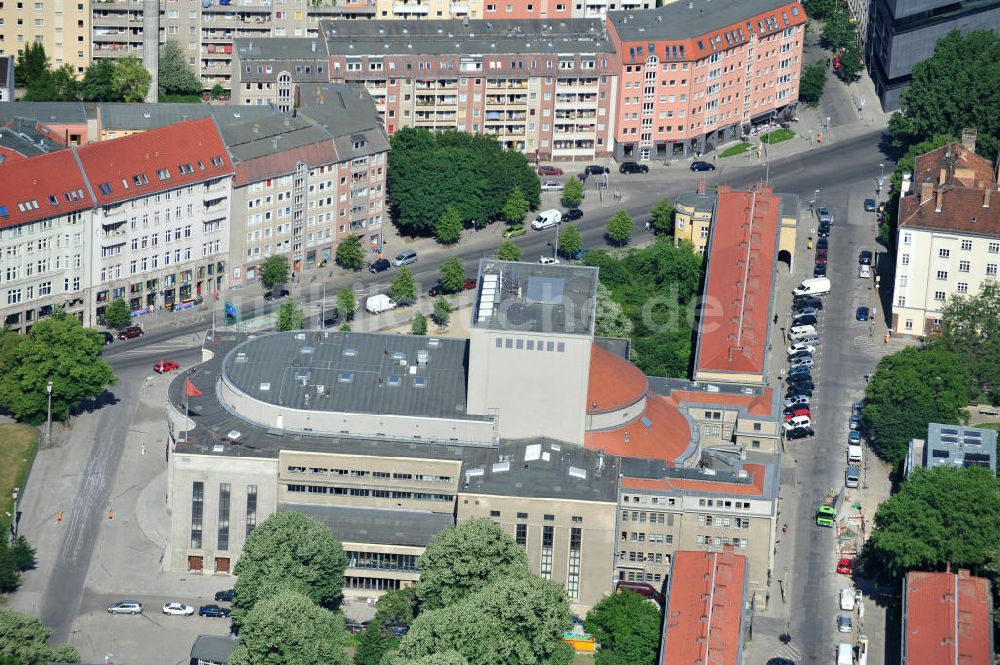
(613, 419)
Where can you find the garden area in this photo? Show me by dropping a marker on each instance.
(17, 448)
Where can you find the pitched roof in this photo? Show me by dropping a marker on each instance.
(614, 382)
(41, 187)
(703, 621)
(947, 618)
(733, 330)
(756, 405)
(156, 160)
(659, 432)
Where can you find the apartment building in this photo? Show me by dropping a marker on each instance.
(946, 619)
(948, 238)
(501, 10)
(61, 26)
(6, 78)
(693, 218)
(695, 75)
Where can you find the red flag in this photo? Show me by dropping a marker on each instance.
(190, 390)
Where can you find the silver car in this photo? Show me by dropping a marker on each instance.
(823, 213)
(125, 607)
(806, 361)
(407, 257)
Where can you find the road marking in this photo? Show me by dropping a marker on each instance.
(789, 651)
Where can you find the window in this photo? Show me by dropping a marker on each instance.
(197, 506)
(939, 295)
(573, 579)
(224, 494)
(904, 259)
(963, 266)
(548, 535)
(994, 248)
(991, 269)
(901, 301)
(942, 274)
(944, 253)
(906, 238)
(521, 535)
(963, 287)
(251, 509)
(966, 245)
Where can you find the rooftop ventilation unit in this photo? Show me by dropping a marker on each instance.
(533, 452)
(422, 357)
(234, 436)
(265, 387)
(577, 472)
(501, 467)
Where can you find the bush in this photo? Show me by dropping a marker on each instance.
(734, 150)
(777, 136)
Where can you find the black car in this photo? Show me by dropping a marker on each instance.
(435, 291)
(819, 270)
(823, 231)
(822, 243)
(865, 258)
(572, 215)
(800, 433)
(807, 301)
(702, 166)
(801, 353)
(801, 382)
(275, 294)
(213, 611)
(796, 391)
(805, 320)
(869, 205)
(594, 169)
(379, 266)
(632, 167)
(225, 596)
(108, 337)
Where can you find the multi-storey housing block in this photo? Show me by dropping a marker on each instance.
(61, 26)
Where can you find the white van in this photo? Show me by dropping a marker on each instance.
(847, 600)
(854, 455)
(798, 332)
(816, 286)
(546, 218)
(864, 271)
(798, 421)
(845, 654)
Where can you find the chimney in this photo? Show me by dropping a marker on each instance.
(986, 197)
(938, 200)
(943, 176)
(926, 191)
(969, 138)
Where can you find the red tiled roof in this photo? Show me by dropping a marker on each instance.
(934, 625)
(614, 382)
(754, 488)
(194, 145)
(756, 405)
(29, 187)
(732, 335)
(278, 164)
(667, 437)
(703, 619)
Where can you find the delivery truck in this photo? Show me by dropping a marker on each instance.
(379, 303)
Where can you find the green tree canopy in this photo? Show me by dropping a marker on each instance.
(910, 389)
(60, 350)
(448, 230)
(397, 608)
(954, 89)
(661, 215)
(31, 63)
(131, 79)
(439, 658)
(99, 82)
(620, 227)
(812, 82)
(516, 206)
(838, 31)
(23, 640)
(570, 240)
(347, 304)
(291, 316)
(509, 251)
(274, 270)
(419, 324)
(851, 64)
(610, 319)
(287, 627)
(403, 288)
(464, 559)
(289, 550)
(432, 171)
(821, 9)
(442, 311)
(939, 516)
(57, 85)
(117, 314)
(970, 328)
(373, 643)
(349, 254)
(175, 75)
(452, 274)
(627, 626)
(572, 193)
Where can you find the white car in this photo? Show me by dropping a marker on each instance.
(798, 400)
(551, 186)
(801, 346)
(847, 600)
(545, 260)
(843, 623)
(864, 271)
(805, 361)
(178, 609)
(798, 421)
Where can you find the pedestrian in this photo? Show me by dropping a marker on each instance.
(775, 319)
(647, 225)
(143, 449)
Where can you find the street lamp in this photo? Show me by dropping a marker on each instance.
(881, 171)
(48, 389)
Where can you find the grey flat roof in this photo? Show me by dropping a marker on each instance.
(958, 445)
(281, 48)
(682, 21)
(353, 524)
(360, 372)
(71, 113)
(151, 116)
(531, 297)
(460, 37)
(214, 648)
(24, 138)
(269, 135)
(658, 470)
(701, 202)
(343, 110)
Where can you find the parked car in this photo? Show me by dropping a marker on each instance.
(130, 333)
(804, 311)
(823, 231)
(799, 433)
(865, 257)
(794, 412)
(579, 254)
(797, 400)
(572, 215)
(515, 230)
(108, 337)
(854, 438)
(805, 361)
(178, 609)
(380, 265)
(801, 353)
(823, 243)
(165, 366)
(811, 340)
(405, 258)
(845, 566)
(864, 271)
(803, 383)
(800, 346)
(821, 258)
(632, 167)
(125, 607)
(596, 169)
(225, 596)
(870, 205)
(844, 623)
(822, 254)
(467, 285)
(551, 186)
(854, 422)
(213, 611)
(800, 372)
(852, 477)
(804, 320)
(861, 314)
(819, 270)
(548, 260)
(795, 391)
(797, 421)
(549, 170)
(275, 294)
(702, 166)
(857, 407)
(807, 301)
(824, 216)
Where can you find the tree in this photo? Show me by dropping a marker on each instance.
(131, 79)
(419, 324)
(442, 311)
(821, 9)
(508, 251)
(397, 608)
(439, 658)
(175, 76)
(610, 319)
(572, 193)
(274, 270)
(838, 31)
(953, 89)
(452, 275)
(620, 227)
(449, 227)
(627, 626)
(349, 254)
(99, 82)
(661, 217)
(347, 304)
(218, 91)
(287, 627)
(970, 328)
(58, 85)
(23, 554)
(939, 516)
(812, 82)
(516, 206)
(513, 620)
(373, 643)
(910, 389)
(23, 640)
(118, 314)
(32, 63)
(851, 65)
(403, 288)
(464, 559)
(291, 316)
(289, 550)
(59, 350)
(570, 241)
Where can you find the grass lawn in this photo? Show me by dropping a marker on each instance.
(734, 150)
(994, 426)
(17, 447)
(582, 659)
(777, 136)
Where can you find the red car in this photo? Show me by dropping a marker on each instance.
(821, 258)
(845, 566)
(795, 413)
(836, 63)
(165, 366)
(469, 284)
(549, 170)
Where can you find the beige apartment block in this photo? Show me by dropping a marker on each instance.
(61, 26)
(428, 9)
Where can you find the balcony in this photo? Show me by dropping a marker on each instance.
(459, 9)
(405, 9)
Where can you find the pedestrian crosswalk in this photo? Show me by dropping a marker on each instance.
(874, 345)
(789, 651)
